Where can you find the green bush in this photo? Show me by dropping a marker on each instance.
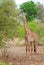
(3, 63)
(35, 27)
(40, 32)
(1, 41)
(32, 25)
(21, 31)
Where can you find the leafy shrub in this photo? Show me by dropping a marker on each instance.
(3, 63)
(21, 31)
(32, 25)
(1, 41)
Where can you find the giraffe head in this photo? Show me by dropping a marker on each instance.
(22, 15)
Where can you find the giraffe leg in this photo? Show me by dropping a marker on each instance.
(34, 48)
(30, 51)
(26, 49)
(30, 48)
(26, 44)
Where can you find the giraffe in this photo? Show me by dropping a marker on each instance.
(30, 37)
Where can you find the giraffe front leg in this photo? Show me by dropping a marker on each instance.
(30, 48)
(26, 49)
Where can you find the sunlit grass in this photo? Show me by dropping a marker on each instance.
(3, 63)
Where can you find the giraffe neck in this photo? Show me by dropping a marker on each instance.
(27, 29)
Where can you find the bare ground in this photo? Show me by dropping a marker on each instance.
(18, 56)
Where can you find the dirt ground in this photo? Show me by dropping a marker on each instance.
(18, 56)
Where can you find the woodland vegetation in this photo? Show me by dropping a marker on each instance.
(11, 24)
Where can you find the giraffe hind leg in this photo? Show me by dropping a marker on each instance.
(34, 48)
(26, 50)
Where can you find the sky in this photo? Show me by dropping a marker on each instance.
(18, 2)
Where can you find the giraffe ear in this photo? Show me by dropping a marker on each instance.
(23, 13)
(20, 15)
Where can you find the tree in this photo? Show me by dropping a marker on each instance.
(30, 9)
(40, 11)
(8, 21)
